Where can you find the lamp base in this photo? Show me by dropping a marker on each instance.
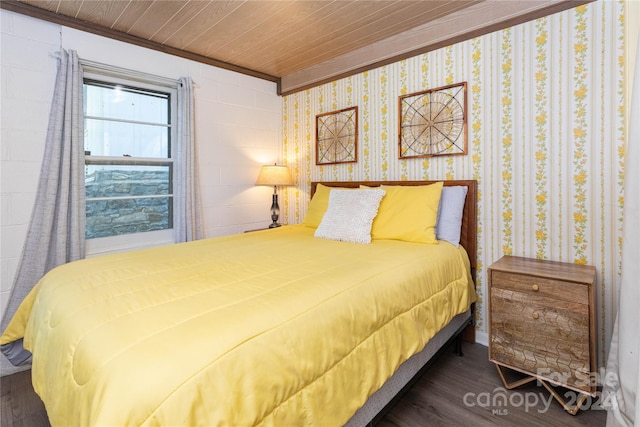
(275, 210)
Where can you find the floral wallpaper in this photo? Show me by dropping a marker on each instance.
(546, 134)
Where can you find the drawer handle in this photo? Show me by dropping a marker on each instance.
(536, 288)
(535, 315)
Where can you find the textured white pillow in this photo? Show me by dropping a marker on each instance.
(349, 215)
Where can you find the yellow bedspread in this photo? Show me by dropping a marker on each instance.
(273, 327)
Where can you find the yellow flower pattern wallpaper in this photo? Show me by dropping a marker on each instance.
(545, 120)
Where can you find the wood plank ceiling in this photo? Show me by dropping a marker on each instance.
(296, 43)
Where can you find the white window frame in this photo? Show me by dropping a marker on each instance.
(114, 75)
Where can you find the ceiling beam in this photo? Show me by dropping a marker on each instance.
(476, 20)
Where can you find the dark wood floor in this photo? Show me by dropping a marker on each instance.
(467, 391)
(455, 391)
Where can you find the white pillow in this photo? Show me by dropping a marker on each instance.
(449, 219)
(349, 215)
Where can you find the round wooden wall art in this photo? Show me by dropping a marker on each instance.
(433, 122)
(337, 137)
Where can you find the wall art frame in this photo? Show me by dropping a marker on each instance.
(337, 136)
(433, 122)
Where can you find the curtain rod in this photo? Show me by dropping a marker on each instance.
(113, 71)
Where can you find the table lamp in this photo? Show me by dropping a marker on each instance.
(274, 175)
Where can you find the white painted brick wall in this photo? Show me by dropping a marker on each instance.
(27, 77)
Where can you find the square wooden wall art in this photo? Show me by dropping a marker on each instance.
(337, 137)
(433, 122)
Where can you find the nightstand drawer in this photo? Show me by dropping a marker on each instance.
(541, 335)
(553, 288)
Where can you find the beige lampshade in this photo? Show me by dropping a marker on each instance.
(274, 175)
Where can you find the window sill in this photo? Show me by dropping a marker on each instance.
(128, 242)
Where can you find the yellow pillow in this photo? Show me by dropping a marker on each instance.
(317, 206)
(408, 213)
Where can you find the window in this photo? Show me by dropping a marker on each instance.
(128, 157)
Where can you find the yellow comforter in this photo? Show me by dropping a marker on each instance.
(266, 328)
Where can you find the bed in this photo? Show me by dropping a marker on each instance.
(273, 327)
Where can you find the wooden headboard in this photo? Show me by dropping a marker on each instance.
(469, 214)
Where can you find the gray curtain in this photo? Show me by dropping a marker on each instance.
(187, 224)
(56, 233)
(621, 388)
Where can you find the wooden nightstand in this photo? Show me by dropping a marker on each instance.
(542, 323)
